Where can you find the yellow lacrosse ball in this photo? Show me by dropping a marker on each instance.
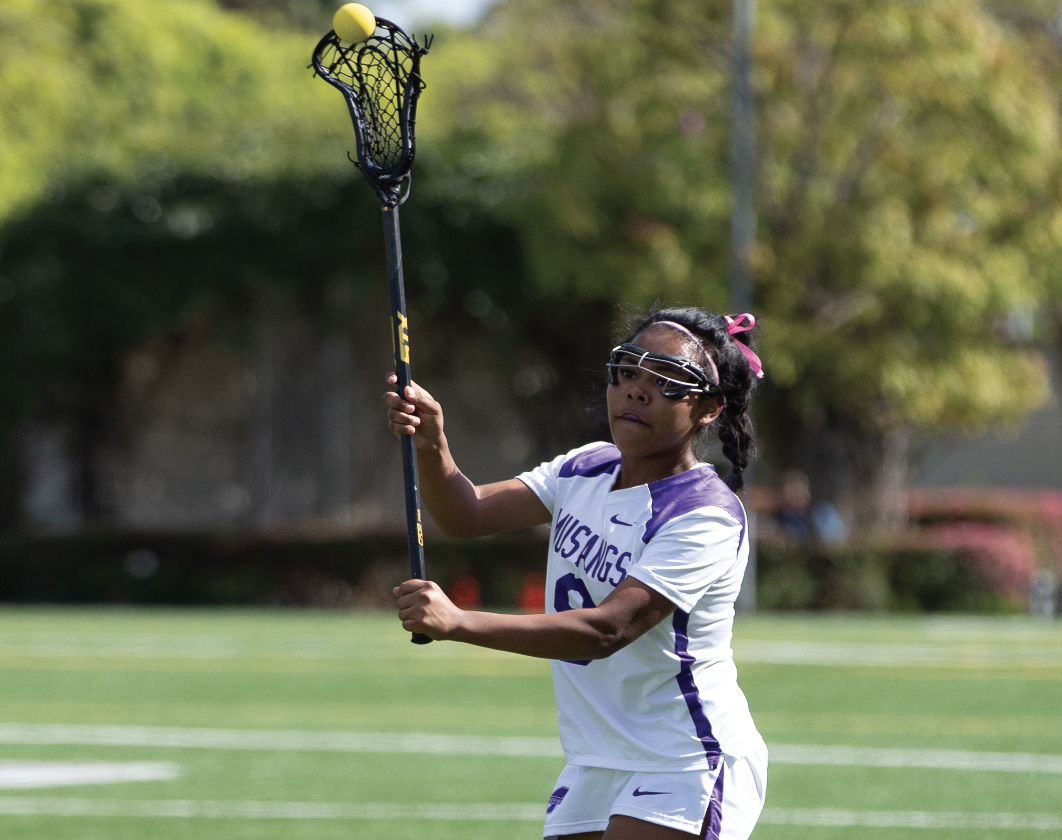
(354, 23)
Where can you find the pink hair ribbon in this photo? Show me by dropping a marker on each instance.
(744, 323)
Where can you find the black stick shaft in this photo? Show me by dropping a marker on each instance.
(400, 338)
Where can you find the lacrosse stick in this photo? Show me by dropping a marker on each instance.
(380, 80)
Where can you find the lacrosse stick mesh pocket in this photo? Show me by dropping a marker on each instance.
(380, 79)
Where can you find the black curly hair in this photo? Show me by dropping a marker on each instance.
(736, 379)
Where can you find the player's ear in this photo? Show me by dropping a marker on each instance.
(710, 411)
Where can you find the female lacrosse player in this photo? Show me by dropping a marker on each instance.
(648, 547)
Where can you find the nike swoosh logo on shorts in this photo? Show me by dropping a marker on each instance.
(618, 522)
(639, 792)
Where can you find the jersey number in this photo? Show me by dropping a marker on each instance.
(562, 601)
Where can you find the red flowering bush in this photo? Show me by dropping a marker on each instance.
(1036, 515)
(964, 550)
(1003, 556)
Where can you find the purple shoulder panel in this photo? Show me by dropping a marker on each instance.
(680, 494)
(591, 463)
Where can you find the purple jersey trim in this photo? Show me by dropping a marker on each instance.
(680, 623)
(713, 820)
(591, 463)
(697, 488)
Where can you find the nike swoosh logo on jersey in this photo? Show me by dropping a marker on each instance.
(619, 522)
(639, 792)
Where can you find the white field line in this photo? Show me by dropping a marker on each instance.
(935, 759)
(250, 739)
(270, 810)
(891, 655)
(909, 819)
(1038, 653)
(133, 646)
(354, 742)
(23, 775)
(485, 811)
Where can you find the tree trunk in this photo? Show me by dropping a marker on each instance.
(861, 472)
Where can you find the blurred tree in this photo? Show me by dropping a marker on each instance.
(185, 162)
(903, 153)
(594, 132)
(136, 91)
(573, 155)
(1040, 25)
(312, 16)
(154, 158)
(597, 129)
(905, 150)
(186, 259)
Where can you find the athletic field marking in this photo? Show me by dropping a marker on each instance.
(909, 819)
(183, 808)
(251, 739)
(355, 742)
(22, 775)
(890, 655)
(149, 646)
(167, 651)
(270, 810)
(936, 759)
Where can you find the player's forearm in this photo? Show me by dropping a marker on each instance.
(595, 633)
(448, 494)
(575, 634)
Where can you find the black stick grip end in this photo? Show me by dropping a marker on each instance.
(421, 639)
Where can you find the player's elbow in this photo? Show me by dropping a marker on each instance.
(461, 528)
(607, 639)
(456, 521)
(455, 530)
(606, 647)
(462, 519)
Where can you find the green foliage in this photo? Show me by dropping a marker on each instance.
(140, 260)
(1037, 21)
(229, 571)
(573, 156)
(597, 130)
(906, 578)
(158, 163)
(904, 151)
(132, 90)
(160, 263)
(313, 16)
(911, 575)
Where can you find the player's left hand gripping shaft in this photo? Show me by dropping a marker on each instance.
(400, 336)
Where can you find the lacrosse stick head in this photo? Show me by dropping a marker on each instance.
(380, 80)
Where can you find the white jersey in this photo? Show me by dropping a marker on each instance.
(669, 700)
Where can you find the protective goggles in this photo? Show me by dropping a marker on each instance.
(676, 376)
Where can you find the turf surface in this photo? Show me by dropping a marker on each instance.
(917, 684)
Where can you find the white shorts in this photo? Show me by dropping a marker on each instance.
(719, 804)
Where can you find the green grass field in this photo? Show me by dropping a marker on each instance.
(920, 696)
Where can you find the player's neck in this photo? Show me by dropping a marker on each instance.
(645, 470)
